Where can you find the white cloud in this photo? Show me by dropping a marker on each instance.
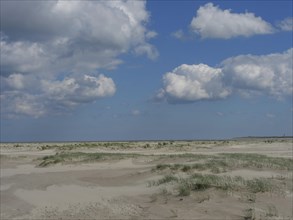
(73, 35)
(45, 41)
(14, 81)
(14, 103)
(151, 52)
(213, 22)
(19, 83)
(22, 57)
(52, 97)
(151, 34)
(73, 91)
(179, 34)
(286, 24)
(269, 74)
(188, 83)
(246, 75)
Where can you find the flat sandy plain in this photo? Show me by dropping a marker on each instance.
(233, 179)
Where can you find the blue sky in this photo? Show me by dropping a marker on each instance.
(135, 70)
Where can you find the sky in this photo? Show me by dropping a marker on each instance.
(145, 70)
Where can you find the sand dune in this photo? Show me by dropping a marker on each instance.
(147, 180)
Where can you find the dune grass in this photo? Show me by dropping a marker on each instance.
(166, 179)
(75, 146)
(223, 162)
(201, 182)
(73, 157)
(258, 161)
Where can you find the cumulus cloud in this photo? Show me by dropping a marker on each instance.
(72, 91)
(286, 24)
(247, 75)
(23, 57)
(80, 35)
(148, 49)
(213, 22)
(14, 81)
(23, 97)
(188, 83)
(45, 41)
(270, 74)
(15, 103)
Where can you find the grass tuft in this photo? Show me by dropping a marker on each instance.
(186, 168)
(183, 190)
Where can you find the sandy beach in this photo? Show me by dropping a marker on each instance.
(233, 179)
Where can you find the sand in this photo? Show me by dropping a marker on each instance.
(120, 189)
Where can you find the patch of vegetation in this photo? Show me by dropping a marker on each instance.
(74, 146)
(249, 197)
(176, 166)
(186, 168)
(201, 182)
(2, 156)
(165, 192)
(257, 161)
(249, 214)
(223, 162)
(184, 190)
(72, 157)
(166, 179)
(215, 165)
(162, 166)
(259, 185)
(17, 145)
(272, 211)
(191, 156)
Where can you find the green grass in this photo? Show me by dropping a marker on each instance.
(74, 146)
(184, 190)
(186, 168)
(249, 214)
(201, 182)
(112, 145)
(245, 160)
(189, 156)
(258, 161)
(162, 166)
(166, 179)
(223, 162)
(259, 185)
(72, 157)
